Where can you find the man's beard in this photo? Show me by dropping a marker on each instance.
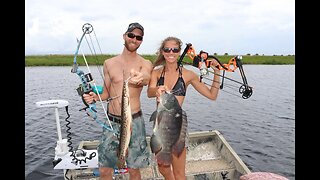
(129, 48)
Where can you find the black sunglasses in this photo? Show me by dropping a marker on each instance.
(131, 35)
(167, 50)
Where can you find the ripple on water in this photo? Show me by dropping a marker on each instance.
(260, 129)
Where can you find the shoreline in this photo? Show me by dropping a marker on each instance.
(67, 60)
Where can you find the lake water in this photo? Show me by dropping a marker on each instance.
(261, 129)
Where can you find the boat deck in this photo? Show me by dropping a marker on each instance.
(209, 156)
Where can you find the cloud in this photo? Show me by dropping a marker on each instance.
(217, 26)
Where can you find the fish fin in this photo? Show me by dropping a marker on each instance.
(162, 115)
(180, 144)
(155, 144)
(153, 116)
(178, 147)
(184, 122)
(164, 158)
(118, 153)
(126, 154)
(121, 164)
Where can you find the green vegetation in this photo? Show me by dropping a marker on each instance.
(67, 60)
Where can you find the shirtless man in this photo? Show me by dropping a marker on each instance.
(117, 69)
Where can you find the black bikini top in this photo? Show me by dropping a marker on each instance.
(179, 89)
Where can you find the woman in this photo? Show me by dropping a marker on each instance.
(176, 79)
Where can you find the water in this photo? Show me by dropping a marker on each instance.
(260, 129)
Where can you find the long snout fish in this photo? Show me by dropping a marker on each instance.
(125, 129)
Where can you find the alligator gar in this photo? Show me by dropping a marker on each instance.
(125, 126)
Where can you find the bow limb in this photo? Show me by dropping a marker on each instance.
(185, 51)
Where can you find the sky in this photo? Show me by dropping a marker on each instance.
(236, 27)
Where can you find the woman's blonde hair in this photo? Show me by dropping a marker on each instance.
(160, 58)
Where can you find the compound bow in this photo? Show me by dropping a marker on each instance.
(231, 66)
(86, 79)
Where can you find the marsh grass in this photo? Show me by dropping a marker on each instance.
(67, 60)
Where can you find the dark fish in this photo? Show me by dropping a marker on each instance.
(169, 129)
(125, 129)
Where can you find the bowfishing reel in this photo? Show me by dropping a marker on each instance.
(244, 89)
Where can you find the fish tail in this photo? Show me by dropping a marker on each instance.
(164, 159)
(121, 163)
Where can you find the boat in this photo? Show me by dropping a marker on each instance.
(209, 156)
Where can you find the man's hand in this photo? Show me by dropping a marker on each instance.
(136, 77)
(89, 98)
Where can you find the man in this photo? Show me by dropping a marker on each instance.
(117, 69)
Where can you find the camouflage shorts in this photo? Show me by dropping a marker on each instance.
(138, 153)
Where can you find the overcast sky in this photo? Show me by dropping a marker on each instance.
(236, 27)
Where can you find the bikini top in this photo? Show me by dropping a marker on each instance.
(179, 89)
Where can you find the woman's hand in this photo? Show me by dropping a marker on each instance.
(214, 65)
(160, 90)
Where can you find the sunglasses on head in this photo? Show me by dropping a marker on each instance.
(167, 50)
(131, 35)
